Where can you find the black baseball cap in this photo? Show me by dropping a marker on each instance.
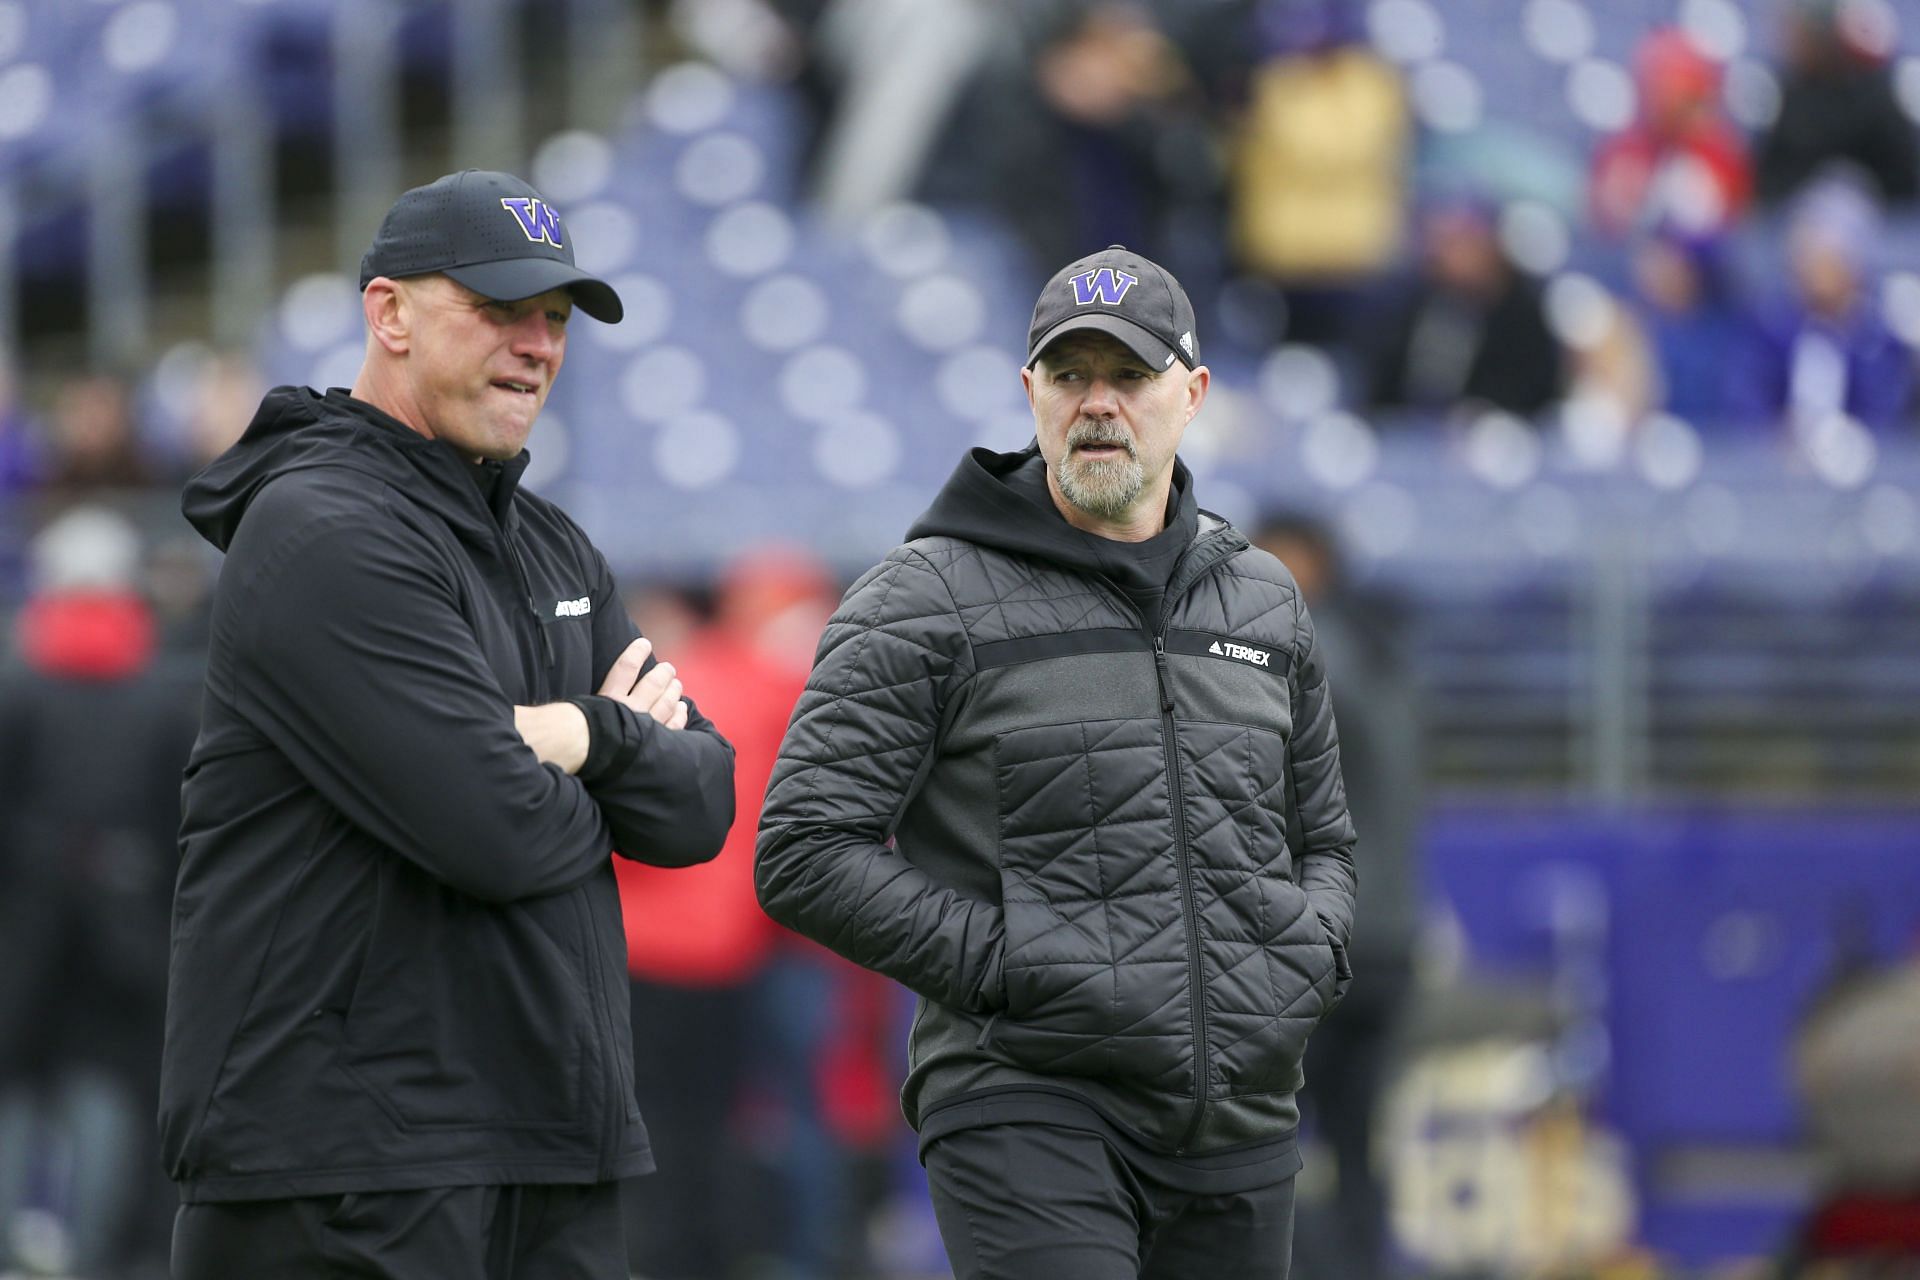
(1118, 292)
(491, 232)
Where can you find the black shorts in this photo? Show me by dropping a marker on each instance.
(559, 1232)
(1043, 1202)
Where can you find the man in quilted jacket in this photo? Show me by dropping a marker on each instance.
(1066, 767)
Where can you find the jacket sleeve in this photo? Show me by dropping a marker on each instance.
(860, 736)
(1325, 867)
(352, 658)
(666, 793)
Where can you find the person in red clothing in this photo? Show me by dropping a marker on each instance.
(697, 941)
(95, 724)
(1681, 161)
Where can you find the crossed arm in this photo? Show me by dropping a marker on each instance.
(354, 661)
(558, 732)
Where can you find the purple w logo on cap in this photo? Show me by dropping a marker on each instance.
(540, 220)
(1103, 285)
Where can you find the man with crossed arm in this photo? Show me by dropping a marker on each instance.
(397, 1027)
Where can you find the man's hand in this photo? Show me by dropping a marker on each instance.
(557, 732)
(655, 694)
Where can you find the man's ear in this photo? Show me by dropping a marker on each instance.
(1198, 380)
(389, 313)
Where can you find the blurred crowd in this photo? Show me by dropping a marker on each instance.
(1733, 273)
(1269, 153)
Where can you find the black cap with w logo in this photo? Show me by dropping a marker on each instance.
(491, 232)
(1118, 292)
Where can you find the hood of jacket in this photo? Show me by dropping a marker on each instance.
(297, 427)
(985, 501)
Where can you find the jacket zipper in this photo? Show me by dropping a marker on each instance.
(526, 594)
(1183, 859)
(501, 520)
(1183, 856)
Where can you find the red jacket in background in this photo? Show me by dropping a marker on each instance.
(702, 926)
(1682, 163)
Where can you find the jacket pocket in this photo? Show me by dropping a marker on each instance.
(1342, 970)
(467, 1013)
(1262, 1009)
(1096, 964)
(1267, 963)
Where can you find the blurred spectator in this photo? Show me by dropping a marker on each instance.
(697, 941)
(820, 1040)
(1504, 163)
(1089, 131)
(227, 389)
(94, 445)
(180, 574)
(20, 445)
(1349, 1056)
(1837, 103)
(1612, 377)
(760, 40)
(94, 733)
(1853, 1064)
(668, 613)
(826, 1073)
(1681, 160)
(1318, 161)
(1826, 349)
(896, 69)
(1471, 328)
(193, 405)
(1693, 323)
(826, 1102)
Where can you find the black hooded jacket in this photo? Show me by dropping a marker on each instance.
(397, 956)
(1108, 847)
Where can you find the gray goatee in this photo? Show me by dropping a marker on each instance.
(1105, 488)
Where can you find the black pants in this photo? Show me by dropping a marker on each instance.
(1038, 1202)
(692, 1220)
(447, 1233)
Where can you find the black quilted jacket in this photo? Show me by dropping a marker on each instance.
(1111, 853)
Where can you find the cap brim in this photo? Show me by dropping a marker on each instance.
(520, 278)
(1138, 339)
